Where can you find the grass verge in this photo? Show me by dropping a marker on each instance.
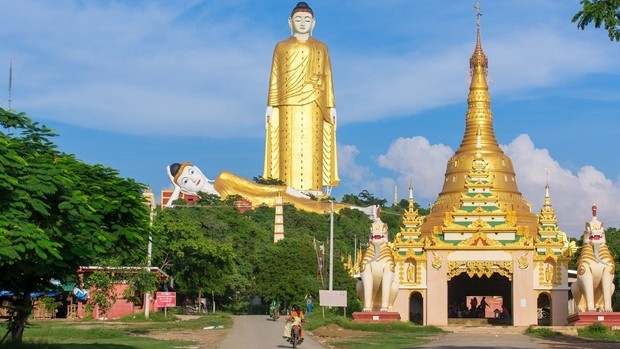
(596, 331)
(541, 332)
(127, 333)
(402, 334)
(599, 331)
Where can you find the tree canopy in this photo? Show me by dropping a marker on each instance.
(604, 13)
(57, 213)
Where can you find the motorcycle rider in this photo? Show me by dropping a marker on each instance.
(274, 309)
(294, 319)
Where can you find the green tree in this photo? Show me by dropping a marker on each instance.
(184, 245)
(403, 203)
(600, 12)
(612, 236)
(364, 199)
(351, 199)
(57, 213)
(287, 271)
(103, 295)
(369, 199)
(139, 282)
(270, 181)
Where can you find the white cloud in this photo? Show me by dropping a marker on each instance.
(415, 160)
(138, 69)
(348, 168)
(572, 194)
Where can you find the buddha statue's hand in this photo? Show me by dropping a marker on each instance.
(331, 118)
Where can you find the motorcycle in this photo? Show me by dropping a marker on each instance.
(296, 336)
(275, 314)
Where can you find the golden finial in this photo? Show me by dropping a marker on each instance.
(478, 58)
(411, 201)
(547, 187)
(478, 14)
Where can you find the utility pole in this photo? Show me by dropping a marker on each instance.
(331, 247)
(147, 296)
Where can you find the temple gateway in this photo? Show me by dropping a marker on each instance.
(481, 238)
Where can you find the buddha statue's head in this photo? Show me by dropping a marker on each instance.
(188, 177)
(302, 20)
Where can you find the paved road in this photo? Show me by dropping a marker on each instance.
(485, 340)
(260, 332)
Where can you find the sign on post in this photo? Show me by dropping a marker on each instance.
(333, 299)
(166, 299)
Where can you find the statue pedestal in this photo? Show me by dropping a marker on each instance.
(588, 318)
(375, 316)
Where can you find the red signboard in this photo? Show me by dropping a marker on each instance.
(166, 299)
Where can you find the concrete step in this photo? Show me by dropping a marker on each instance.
(566, 330)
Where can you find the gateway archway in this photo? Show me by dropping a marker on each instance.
(496, 289)
(544, 309)
(416, 308)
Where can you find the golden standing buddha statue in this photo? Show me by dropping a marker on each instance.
(301, 115)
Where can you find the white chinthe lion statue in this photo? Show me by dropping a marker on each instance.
(378, 286)
(594, 287)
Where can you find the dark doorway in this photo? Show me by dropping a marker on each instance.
(544, 309)
(496, 289)
(416, 308)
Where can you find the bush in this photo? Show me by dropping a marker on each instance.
(597, 327)
(541, 332)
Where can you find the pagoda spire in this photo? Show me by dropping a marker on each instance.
(552, 243)
(479, 144)
(479, 119)
(547, 218)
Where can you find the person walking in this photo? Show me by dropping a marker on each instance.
(309, 305)
(483, 307)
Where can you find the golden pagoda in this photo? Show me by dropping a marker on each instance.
(481, 238)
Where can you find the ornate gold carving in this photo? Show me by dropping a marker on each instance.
(523, 263)
(437, 261)
(525, 241)
(412, 272)
(479, 269)
(511, 219)
(549, 273)
(479, 239)
(479, 223)
(448, 219)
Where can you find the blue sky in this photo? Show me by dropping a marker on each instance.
(136, 85)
